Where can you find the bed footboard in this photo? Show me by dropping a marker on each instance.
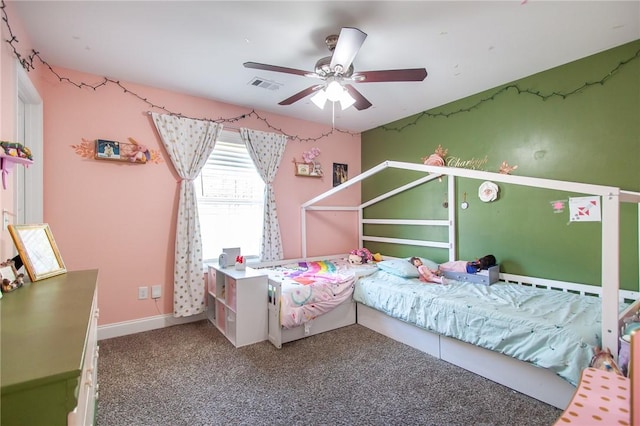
(275, 329)
(341, 316)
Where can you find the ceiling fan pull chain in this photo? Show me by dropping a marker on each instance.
(333, 115)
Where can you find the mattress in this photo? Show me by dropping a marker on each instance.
(550, 329)
(313, 288)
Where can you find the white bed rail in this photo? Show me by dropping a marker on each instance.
(566, 286)
(624, 296)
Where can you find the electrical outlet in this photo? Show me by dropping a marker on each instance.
(143, 293)
(156, 292)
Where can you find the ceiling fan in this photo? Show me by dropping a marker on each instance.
(337, 73)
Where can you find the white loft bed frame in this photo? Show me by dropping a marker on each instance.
(518, 375)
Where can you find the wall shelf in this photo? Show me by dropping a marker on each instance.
(7, 164)
(308, 169)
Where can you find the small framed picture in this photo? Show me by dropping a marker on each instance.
(303, 169)
(8, 271)
(107, 150)
(9, 276)
(339, 173)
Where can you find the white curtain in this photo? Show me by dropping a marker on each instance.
(266, 151)
(189, 144)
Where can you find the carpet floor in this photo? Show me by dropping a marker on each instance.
(191, 375)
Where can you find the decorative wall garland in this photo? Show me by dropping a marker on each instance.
(28, 64)
(520, 91)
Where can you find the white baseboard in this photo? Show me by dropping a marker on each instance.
(143, 324)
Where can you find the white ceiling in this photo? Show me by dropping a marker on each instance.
(198, 47)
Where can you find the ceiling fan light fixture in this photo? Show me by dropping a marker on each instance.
(334, 91)
(346, 100)
(320, 99)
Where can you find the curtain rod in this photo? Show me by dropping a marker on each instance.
(234, 129)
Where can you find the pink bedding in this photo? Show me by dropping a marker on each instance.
(310, 289)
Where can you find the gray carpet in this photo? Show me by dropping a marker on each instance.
(191, 375)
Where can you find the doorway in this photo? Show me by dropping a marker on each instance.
(29, 183)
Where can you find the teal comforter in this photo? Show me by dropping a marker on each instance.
(551, 329)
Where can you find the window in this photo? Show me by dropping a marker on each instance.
(230, 199)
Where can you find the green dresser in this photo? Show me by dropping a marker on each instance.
(49, 351)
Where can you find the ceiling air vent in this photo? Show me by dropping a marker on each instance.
(265, 84)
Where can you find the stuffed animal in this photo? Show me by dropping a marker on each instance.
(139, 152)
(364, 255)
(603, 360)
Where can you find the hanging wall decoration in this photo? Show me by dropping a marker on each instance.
(309, 166)
(584, 209)
(340, 173)
(464, 205)
(506, 169)
(437, 158)
(488, 191)
(558, 205)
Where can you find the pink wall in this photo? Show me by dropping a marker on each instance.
(120, 217)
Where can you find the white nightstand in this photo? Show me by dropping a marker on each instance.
(237, 303)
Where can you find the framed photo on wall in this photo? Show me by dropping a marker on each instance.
(107, 150)
(340, 174)
(303, 169)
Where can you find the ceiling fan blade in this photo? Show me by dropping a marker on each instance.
(276, 68)
(304, 93)
(412, 74)
(349, 43)
(361, 101)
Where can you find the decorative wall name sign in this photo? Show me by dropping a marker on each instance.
(472, 163)
(439, 158)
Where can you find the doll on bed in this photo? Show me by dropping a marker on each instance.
(426, 275)
(469, 267)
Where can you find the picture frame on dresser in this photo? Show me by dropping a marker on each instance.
(38, 250)
(8, 271)
(8, 277)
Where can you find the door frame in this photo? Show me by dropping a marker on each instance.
(29, 184)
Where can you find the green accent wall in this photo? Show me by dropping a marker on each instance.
(591, 135)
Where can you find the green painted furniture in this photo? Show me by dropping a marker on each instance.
(49, 351)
